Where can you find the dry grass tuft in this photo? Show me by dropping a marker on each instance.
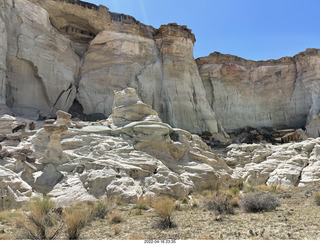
(316, 197)
(101, 208)
(7, 216)
(75, 217)
(222, 202)
(116, 217)
(164, 207)
(117, 229)
(5, 236)
(142, 204)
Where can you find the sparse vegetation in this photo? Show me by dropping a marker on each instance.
(116, 217)
(117, 229)
(101, 208)
(7, 216)
(43, 221)
(316, 197)
(298, 212)
(164, 207)
(184, 201)
(142, 204)
(4, 236)
(270, 188)
(235, 191)
(259, 202)
(75, 217)
(220, 202)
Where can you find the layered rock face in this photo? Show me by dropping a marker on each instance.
(276, 93)
(40, 63)
(72, 55)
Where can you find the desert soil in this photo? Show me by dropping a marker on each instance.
(297, 218)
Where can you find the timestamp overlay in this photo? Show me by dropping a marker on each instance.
(160, 241)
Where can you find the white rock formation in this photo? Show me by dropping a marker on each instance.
(129, 155)
(41, 61)
(281, 93)
(13, 189)
(290, 164)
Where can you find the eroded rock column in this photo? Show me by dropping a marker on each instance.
(54, 153)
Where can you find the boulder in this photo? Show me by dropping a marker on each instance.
(48, 179)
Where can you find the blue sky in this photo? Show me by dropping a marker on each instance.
(252, 29)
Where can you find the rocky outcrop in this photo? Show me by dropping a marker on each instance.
(13, 190)
(275, 93)
(129, 155)
(41, 65)
(156, 66)
(290, 164)
(72, 55)
(133, 154)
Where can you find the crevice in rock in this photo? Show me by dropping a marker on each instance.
(9, 96)
(300, 175)
(210, 90)
(61, 93)
(295, 78)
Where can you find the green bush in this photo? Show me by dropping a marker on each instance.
(259, 202)
(102, 208)
(184, 201)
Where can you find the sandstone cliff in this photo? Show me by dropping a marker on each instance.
(72, 55)
(275, 93)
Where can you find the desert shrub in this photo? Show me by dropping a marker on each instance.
(248, 188)
(142, 204)
(137, 212)
(117, 229)
(269, 188)
(184, 201)
(101, 208)
(316, 197)
(4, 236)
(259, 202)
(164, 208)
(220, 202)
(116, 217)
(43, 221)
(194, 205)
(235, 191)
(75, 218)
(7, 216)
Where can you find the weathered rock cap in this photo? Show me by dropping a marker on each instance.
(63, 118)
(49, 121)
(55, 129)
(175, 30)
(63, 115)
(125, 97)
